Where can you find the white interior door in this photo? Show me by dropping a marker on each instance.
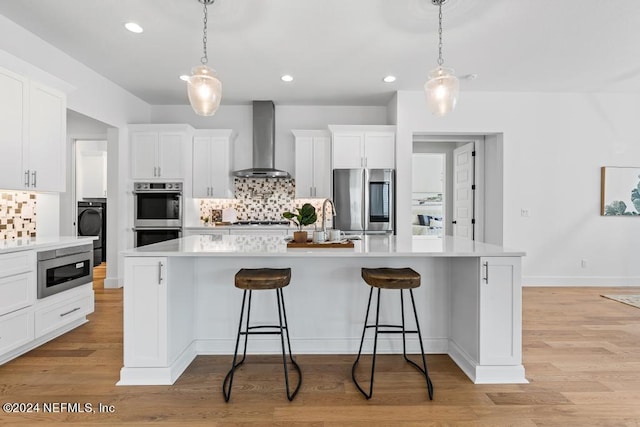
(463, 186)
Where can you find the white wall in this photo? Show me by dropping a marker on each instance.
(553, 148)
(90, 94)
(288, 117)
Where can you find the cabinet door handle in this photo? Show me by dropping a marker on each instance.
(159, 273)
(159, 171)
(69, 312)
(33, 175)
(486, 272)
(26, 178)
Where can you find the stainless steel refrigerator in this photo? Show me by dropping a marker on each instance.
(364, 200)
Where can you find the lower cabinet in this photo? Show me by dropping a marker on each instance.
(158, 314)
(486, 318)
(146, 338)
(49, 317)
(500, 319)
(45, 319)
(17, 281)
(16, 329)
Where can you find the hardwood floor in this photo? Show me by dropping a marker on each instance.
(581, 353)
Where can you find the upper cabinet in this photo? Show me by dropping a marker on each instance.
(213, 163)
(159, 151)
(371, 147)
(313, 163)
(33, 129)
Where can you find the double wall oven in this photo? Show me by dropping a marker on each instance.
(157, 212)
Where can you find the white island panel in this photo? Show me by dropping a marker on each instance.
(326, 302)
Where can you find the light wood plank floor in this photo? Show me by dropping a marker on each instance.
(581, 353)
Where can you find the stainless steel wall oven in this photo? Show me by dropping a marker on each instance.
(157, 212)
(64, 268)
(157, 204)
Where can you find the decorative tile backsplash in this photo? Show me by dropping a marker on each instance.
(17, 215)
(262, 199)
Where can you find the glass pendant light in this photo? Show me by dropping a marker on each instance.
(203, 88)
(443, 86)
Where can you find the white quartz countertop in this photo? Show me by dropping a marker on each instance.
(39, 243)
(269, 245)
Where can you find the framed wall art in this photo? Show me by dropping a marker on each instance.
(620, 191)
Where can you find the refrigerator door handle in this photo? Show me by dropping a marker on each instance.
(365, 200)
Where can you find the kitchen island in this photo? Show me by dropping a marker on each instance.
(180, 302)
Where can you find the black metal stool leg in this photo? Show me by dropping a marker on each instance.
(375, 346)
(424, 360)
(284, 328)
(226, 391)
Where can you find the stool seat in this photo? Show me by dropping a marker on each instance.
(391, 278)
(262, 278)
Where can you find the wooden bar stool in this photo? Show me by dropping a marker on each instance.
(391, 278)
(262, 279)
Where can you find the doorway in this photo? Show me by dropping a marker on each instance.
(91, 195)
(427, 194)
(452, 208)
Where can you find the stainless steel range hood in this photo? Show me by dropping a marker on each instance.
(264, 143)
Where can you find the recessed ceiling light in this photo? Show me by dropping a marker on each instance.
(389, 79)
(133, 27)
(287, 78)
(184, 77)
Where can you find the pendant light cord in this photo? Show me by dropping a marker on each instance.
(204, 59)
(440, 60)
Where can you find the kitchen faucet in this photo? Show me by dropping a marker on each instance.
(324, 208)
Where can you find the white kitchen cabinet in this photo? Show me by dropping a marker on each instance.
(32, 135)
(47, 136)
(16, 329)
(313, 163)
(156, 317)
(159, 151)
(17, 281)
(67, 308)
(485, 332)
(213, 163)
(370, 147)
(147, 337)
(13, 128)
(27, 322)
(500, 319)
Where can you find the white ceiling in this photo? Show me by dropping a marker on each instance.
(339, 50)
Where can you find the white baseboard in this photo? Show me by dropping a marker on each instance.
(322, 346)
(576, 281)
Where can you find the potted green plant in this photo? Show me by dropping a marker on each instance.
(306, 215)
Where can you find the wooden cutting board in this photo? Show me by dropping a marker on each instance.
(347, 244)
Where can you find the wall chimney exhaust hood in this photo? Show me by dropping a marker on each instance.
(264, 143)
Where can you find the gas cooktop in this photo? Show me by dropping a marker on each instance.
(256, 222)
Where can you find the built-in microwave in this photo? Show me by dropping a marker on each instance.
(157, 204)
(63, 269)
